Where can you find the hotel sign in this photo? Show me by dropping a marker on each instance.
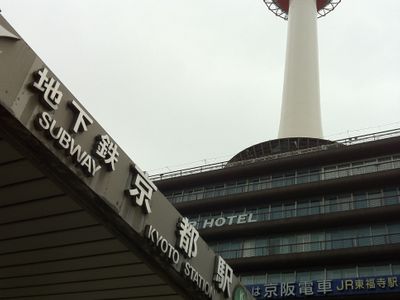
(219, 221)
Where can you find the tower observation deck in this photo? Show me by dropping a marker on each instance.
(300, 111)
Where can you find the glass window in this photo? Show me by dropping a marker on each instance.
(261, 246)
(288, 277)
(259, 279)
(247, 280)
(276, 212)
(249, 249)
(384, 163)
(390, 196)
(396, 269)
(262, 214)
(331, 204)
(209, 192)
(241, 186)
(199, 193)
(330, 173)
(318, 275)
(370, 166)
(363, 237)
(274, 278)
(254, 184)
(302, 177)
(303, 208)
(375, 198)
(278, 181)
(382, 270)
(287, 243)
(178, 196)
(219, 191)
(289, 210)
(344, 170)
(378, 234)
(231, 188)
(315, 175)
(396, 161)
(274, 246)
(366, 271)
(315, 206)
(349, 272)
(394, 233)
(317, 241)
(302, 243)
(345, 202)
(333, 274)
(289, 179)
(360, 200)
(303, 276)
(265, 183)
(342, 239)
(357, 168)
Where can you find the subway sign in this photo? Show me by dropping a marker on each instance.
(326, 288)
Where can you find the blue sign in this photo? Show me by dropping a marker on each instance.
(335, 287)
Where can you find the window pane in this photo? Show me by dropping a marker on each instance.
(333, 274)
(378, 235)
(396, 161)
(315, 206)
(276, 212)
(289, 179)
(390, 196)
(375, 198)
(278, 181)
(344, 170)
(384, 163)
(289, 210)
(303, 208)
(360, 200)
(366, 271)
(330, 173)
(315, 175)
(349, 273)
(249, 248)
(394, 233)
(370, 166)
(302, 177)
(382, 270)
(357, 168)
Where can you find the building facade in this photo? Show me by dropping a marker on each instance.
(302, 217)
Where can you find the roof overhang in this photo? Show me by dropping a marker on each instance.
(72, 225)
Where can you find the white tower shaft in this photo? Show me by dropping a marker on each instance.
(301, 113)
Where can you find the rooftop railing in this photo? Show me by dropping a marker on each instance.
(225, 164)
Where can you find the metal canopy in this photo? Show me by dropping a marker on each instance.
(52, 248)
(73, 227)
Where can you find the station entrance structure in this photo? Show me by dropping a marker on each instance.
(78, 218)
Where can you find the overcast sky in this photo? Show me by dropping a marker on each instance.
(192, 81)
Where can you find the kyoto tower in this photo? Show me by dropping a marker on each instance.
(300, 112)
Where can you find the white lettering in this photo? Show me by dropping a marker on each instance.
(64, 140)
(230, 219)
(208, 223)
(220, 222)
(250, 218)
(44, 120)
(242, 219)
(94, 167)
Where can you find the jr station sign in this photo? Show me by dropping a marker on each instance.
(41, 115)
